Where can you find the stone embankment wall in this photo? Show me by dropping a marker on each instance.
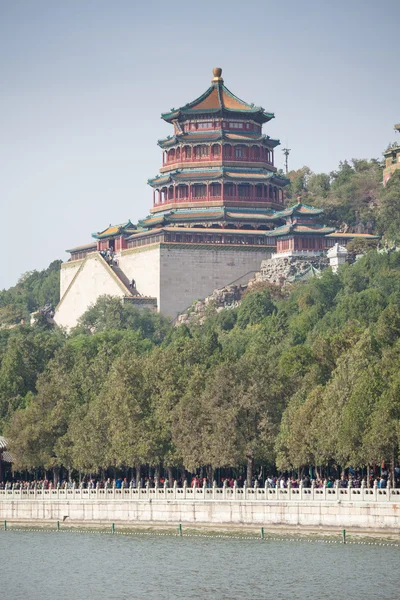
(307, 514)
(312, 507)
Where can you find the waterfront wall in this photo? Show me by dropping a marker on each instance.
(373, 509)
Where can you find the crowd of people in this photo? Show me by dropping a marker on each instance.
(355, 480)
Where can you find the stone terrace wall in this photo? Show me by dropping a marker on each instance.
(380, 515)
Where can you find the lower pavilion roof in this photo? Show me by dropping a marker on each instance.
(202, 230)
(301, 209)
(214, 173)
(210, 214)
(363, 236)
(245, 137)
(113, 230)
(295, 229)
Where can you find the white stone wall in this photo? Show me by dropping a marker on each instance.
(378, 515)
(175, 276)
(189, 274)
(68, 272)
(143, 265)
(93, 279)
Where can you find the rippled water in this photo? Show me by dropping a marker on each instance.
(103, 567)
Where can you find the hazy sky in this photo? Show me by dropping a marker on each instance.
(83, 84)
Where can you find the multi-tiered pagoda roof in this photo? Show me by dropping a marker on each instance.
(217, 158)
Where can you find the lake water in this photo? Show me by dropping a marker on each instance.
(58, 566)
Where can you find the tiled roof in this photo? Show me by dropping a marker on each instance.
(214, 230)
(81, 248)
(232, 173)
(269, 216)
(366, 236)
(212, 135)
(115, 230)
(217, 98)
(300, 229)
(211, 100)
(302, 209)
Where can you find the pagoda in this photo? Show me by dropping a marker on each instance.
(218, 167)
(218, 211)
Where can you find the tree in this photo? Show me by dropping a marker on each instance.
(389, 209)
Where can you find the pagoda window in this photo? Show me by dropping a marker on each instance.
(178, 154)
(199, 191)
(215, 190)
(244, 190)
(229, 190)
(171, 193)
(259, 191)
(205, 125)
(201, 151)
(228, 151)
(216, 150)
(183, 191)
(236, 125)
(171, 156)
(238, 153)
(256, 152)
(187, 150)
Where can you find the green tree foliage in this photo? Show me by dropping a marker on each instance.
(300, 377)
(389, 209)
(34, 290)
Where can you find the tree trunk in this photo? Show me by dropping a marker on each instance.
(210, 474)
(183, 475)
(250, 464)
(157, 474)
(170, 476)
(56, 476)
(138, 475)
(392, 467)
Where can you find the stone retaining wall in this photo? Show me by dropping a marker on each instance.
(377, 515)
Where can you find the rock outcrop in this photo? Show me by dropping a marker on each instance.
(275, 271)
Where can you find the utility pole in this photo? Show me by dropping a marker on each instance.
(286, 152)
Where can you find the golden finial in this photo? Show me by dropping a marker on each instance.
(217, 72)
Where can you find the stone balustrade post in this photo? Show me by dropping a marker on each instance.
(301, 490)
(337, 489)
(245, 489)
(375, 490)
(349, 487)
(289, 488)
(235, 489)
(175, 486)
(214, 487)
(184, 489)
(312, 488)
(266, 488)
